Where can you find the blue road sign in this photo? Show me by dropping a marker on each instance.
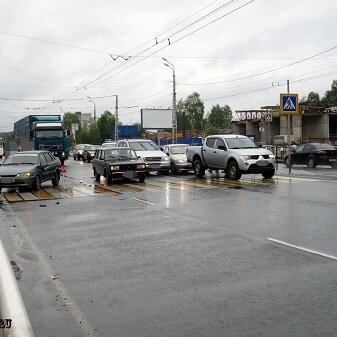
(289, 104)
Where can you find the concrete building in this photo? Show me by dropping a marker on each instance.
(314, 123)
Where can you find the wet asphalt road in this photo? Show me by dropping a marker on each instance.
(180, 256)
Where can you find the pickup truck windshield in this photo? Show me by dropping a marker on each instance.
(240, 143)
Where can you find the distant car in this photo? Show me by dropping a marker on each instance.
(78, 151)
(108, 144)
(30, 169)
(312, 154)
(88, 152)
(118, 162)
(178, 159)
(147, 149)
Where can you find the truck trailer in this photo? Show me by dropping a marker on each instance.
(43, 132)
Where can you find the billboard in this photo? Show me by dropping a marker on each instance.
(156, 118)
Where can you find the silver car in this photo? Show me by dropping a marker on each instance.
(178, 159)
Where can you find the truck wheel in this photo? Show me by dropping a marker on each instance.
(268, 174)
(56, 180)
(198, 168)
(36, 183)
(233, 170)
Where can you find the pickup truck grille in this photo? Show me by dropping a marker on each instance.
(256, 156)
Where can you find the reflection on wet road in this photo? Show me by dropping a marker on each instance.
(61, 192)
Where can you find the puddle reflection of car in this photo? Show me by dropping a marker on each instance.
(178, 159)
(118, 162)
(312, 154)
(29, 169)
(88, 153)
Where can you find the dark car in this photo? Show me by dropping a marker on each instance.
(118, 162)
(30, 169)
(312, 154)
(78, 151)
(88, 153)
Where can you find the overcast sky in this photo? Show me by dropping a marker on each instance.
(56, 53)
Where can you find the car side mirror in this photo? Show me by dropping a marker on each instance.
(222, 147)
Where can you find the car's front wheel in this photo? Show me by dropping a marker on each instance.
(287, 161)
(268, 174)
(108, 177)
(173, 169)
(233, 170)
(311, 162)
(36, 183)
(97, 176)
(141, 177)
(56, 180)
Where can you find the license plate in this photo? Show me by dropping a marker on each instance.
(129, 174)
(262, 162)
(7, 180)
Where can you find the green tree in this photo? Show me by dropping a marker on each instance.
(104, 125)
(330, 97)
(194, 113)
(219, 120)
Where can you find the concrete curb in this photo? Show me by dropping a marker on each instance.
(11, 303)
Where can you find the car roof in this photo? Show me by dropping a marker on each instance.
(31, 152)
(114, 148)
(229, 136)
(174, 145)
(137, 140)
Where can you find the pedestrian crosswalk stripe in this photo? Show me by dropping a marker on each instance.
(43, 195)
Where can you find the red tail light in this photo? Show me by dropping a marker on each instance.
(322, 153)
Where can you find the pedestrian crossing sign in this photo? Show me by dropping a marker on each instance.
(289, 104)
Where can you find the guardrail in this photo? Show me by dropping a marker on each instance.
(14, 321)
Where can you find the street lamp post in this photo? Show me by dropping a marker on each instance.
(174, 113)
(92, 101)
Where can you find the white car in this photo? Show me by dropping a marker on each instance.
(147, 149)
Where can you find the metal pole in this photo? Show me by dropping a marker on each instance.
(289, 142)
(94, 135)
(116, 119)
(174, 113)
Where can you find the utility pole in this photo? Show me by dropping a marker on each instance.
(174, 103)
(116, 119)
(288, 125)
(94, 135)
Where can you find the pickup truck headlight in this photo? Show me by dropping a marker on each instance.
(166, 158)
(141, 166)
(114, 168)
(243, 158)
(24, 174)
(272, 156)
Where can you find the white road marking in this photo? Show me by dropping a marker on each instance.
(303, 249)
(144, 201)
